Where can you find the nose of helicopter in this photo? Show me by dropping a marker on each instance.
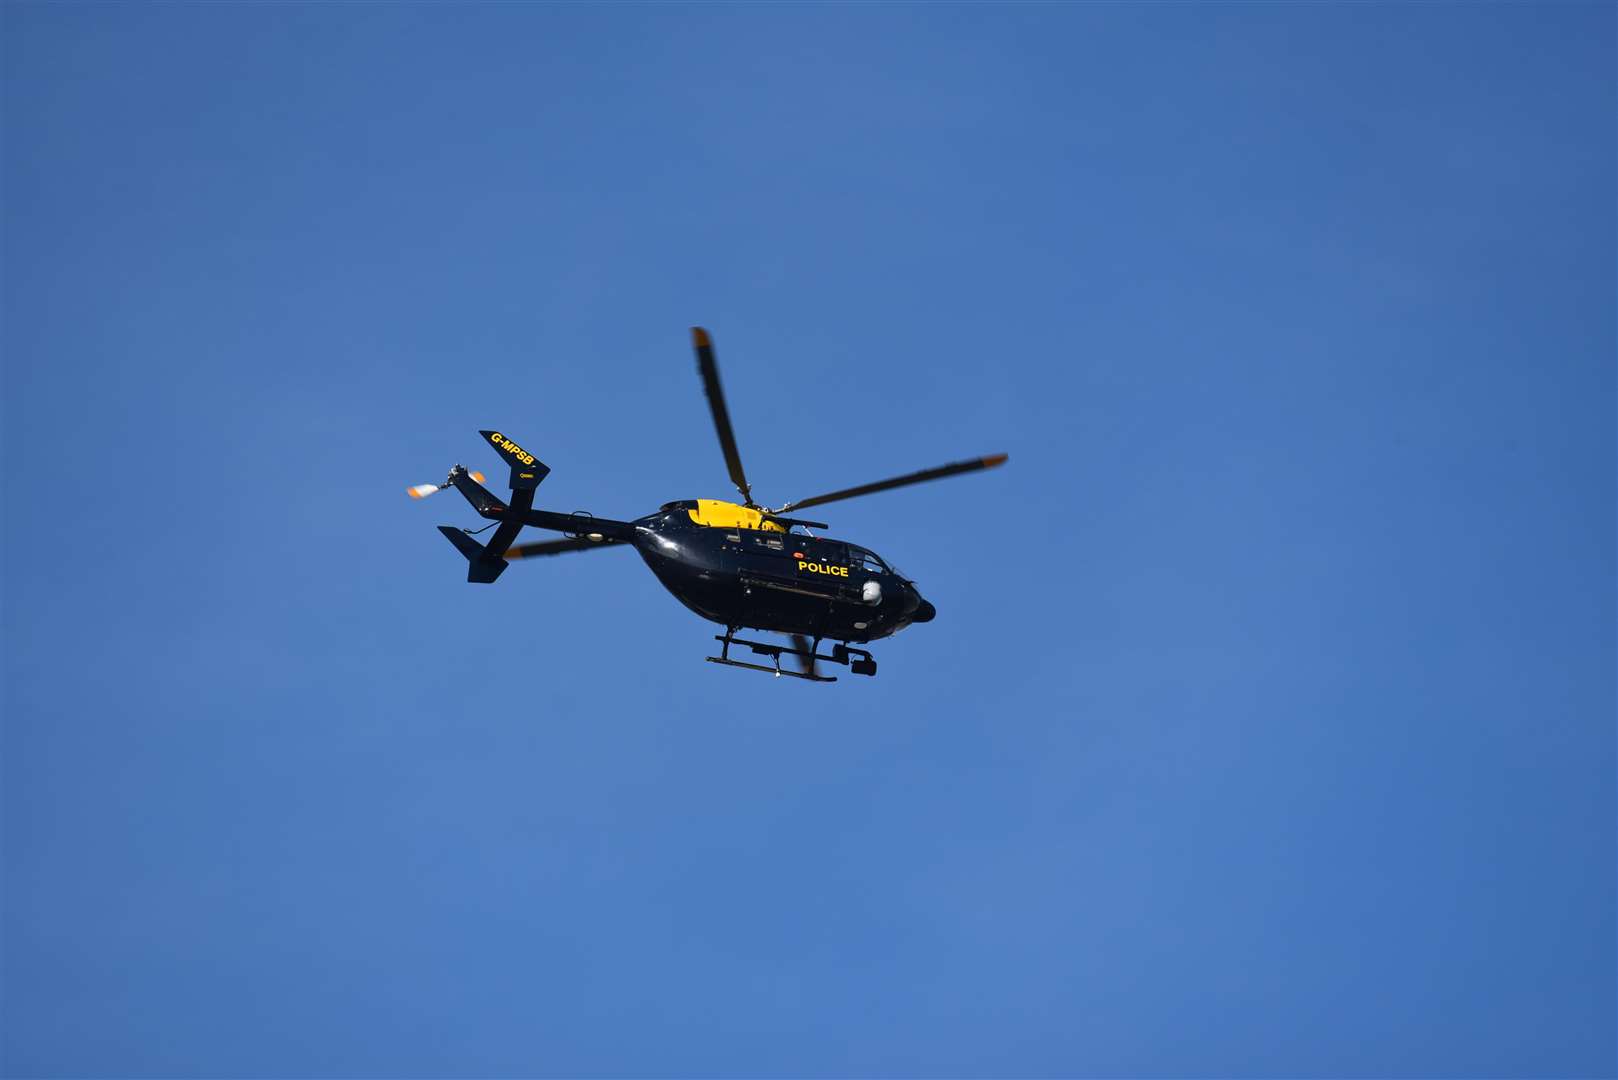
(925, 612)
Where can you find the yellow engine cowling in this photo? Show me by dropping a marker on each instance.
(718, 514)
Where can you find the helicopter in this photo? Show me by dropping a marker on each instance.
(741, 565)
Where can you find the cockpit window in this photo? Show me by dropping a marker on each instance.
(867, 561)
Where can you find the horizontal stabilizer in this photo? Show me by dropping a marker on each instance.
(481, 498)
(482, 568)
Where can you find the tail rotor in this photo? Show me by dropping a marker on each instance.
(421, 491)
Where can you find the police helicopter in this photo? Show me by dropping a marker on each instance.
(741, 565)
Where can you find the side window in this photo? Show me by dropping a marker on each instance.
(765, 542)
(832, 553)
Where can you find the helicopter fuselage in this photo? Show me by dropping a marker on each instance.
(767, 578)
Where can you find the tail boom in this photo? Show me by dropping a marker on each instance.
(485, 563)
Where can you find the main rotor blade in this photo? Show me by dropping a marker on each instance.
(806, 654)
(558, 547)
(954, 469)
(703, 344)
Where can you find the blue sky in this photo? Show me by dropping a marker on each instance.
(1267, 725)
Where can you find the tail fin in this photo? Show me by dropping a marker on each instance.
(527, 471)
(482, 566)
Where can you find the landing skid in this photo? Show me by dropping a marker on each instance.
(857, 660)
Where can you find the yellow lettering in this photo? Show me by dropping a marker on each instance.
(505, 444)
(817, 568)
